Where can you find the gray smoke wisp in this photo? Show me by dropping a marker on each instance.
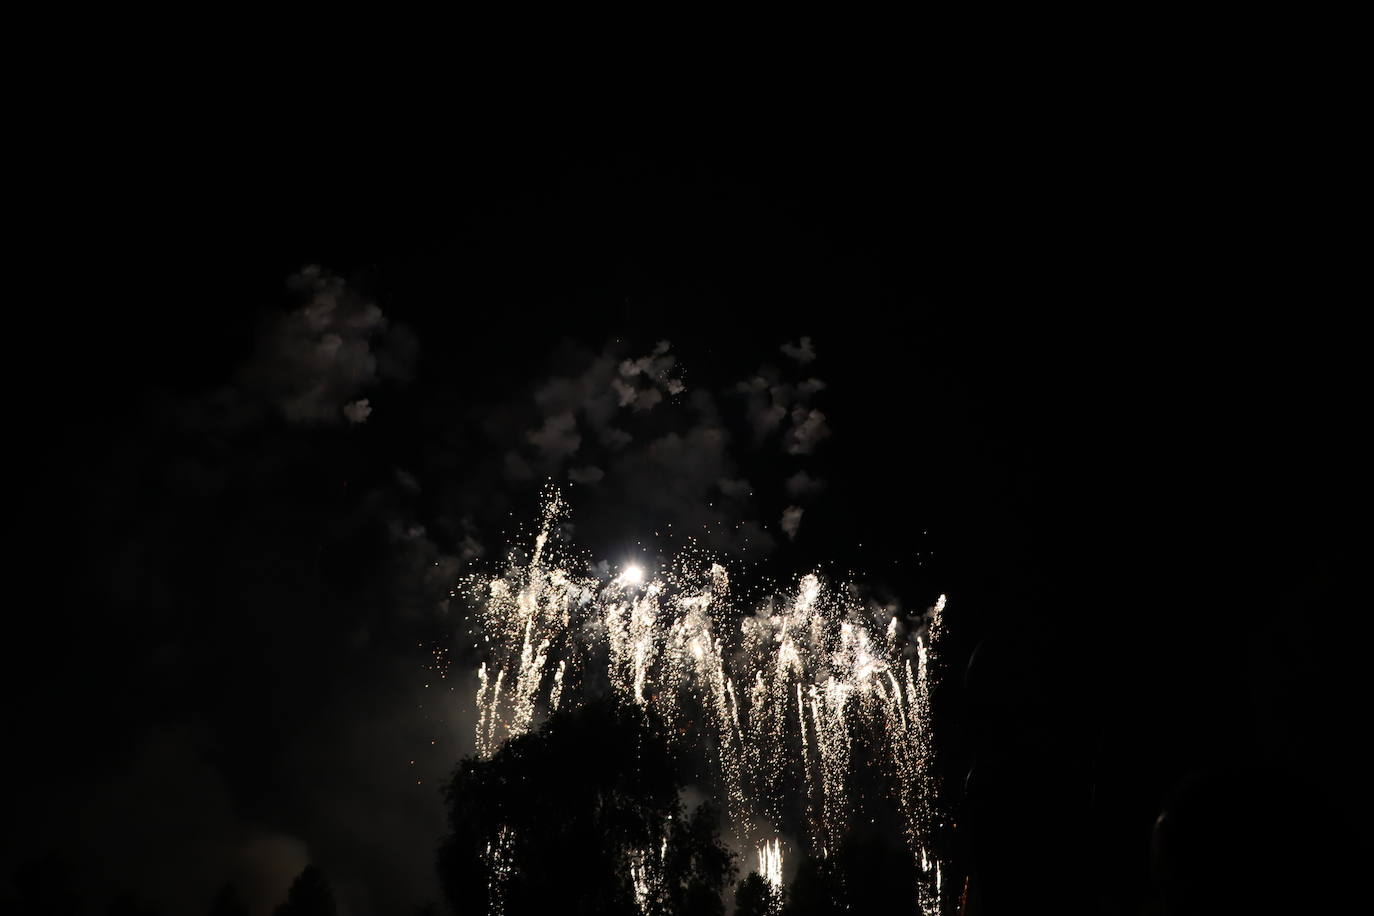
(313, 362)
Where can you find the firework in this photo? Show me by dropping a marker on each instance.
(800, 676)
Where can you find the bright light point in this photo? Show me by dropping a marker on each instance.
(632, 574)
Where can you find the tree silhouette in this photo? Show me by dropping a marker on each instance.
(309, 896)
(754, 897)
(814, 890)
(129, 904)
(228, 902)
(571, 814)
(868, 874)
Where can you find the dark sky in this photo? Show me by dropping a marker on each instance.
(1090, 376)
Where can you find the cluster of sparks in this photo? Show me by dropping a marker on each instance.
(778, 695)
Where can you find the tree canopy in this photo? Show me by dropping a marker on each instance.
(583, 817)
(310, 895)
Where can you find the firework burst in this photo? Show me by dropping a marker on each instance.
(774, 696)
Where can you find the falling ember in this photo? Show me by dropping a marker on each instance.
(809, 676)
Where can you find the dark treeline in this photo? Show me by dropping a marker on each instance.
(561, 811)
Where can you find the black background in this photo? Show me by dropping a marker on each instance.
(1100, 354)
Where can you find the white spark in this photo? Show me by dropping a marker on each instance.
(770, 862)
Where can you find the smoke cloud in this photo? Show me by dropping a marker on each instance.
(313, 362)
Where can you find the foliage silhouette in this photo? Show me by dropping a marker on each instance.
(868, 874)
(754, 897)
(228, 902)
(309, 896)
(129, 904)
(577, 802)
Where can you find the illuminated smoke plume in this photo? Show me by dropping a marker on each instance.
(803, 676)
(312, 363)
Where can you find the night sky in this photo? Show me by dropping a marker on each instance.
(1093, 378)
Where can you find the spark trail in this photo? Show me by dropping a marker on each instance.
(778, 695)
